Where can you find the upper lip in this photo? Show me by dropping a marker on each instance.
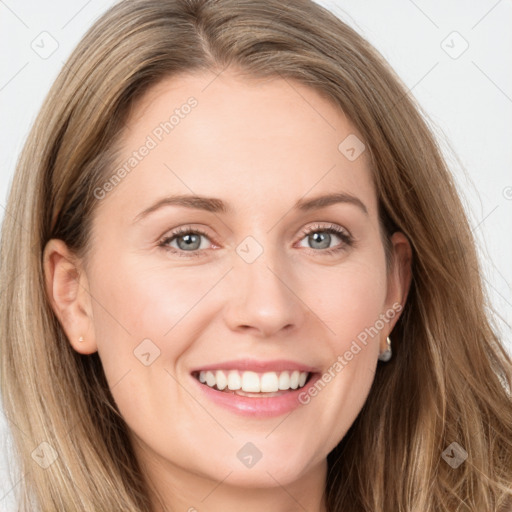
(257, 366)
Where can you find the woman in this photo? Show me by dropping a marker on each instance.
(245, 279)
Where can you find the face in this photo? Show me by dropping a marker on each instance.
(257, 283)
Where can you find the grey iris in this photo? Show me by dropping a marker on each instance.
(192, 241)
(321, 238)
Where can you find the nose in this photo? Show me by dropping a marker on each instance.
(263, 297)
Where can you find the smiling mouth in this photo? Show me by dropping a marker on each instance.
(253, 384)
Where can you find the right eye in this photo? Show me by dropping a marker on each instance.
(187, 240)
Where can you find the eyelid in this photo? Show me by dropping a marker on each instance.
(319, 227)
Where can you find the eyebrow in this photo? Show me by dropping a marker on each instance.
(214, 205)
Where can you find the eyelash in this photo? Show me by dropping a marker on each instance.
(347, 239)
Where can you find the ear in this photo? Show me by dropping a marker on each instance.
(399, 279)
(68, 292)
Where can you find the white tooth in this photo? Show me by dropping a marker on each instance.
(294, 380)
(210, 379)
(221, 379)
(234, 380)
(269, 382)
(250, 382)
(284, 381)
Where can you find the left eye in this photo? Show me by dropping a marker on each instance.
(321, 237)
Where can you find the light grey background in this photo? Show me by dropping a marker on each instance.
(466, 92)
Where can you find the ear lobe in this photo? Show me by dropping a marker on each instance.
(67, 292)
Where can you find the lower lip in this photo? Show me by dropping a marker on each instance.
(257, 406)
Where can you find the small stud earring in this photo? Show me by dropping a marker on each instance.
(386, 355)
(81, 339)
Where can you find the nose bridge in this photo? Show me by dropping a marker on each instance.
(261, 295)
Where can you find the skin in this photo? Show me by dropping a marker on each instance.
(259, 146)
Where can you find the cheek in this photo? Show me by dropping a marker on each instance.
(135, 302)
(350, 303)
(348, 299)
(146, 318)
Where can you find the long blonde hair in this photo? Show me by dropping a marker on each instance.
(450, 377)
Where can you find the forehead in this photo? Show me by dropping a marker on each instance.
(260, 144)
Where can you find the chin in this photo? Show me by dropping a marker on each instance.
(273, 468)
